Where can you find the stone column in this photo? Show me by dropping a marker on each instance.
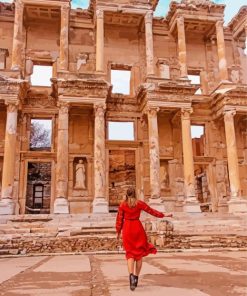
(236, 204)
(221, 51)
(100, 41)
(62, 168)
(192, 204)
(100, 204)
(64, 37)
(7, 205)
(17, 38)
(149, 43)
(182, 54)
(154, 155)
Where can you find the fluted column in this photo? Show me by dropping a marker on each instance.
(221, 51)
(64, 37)
(188, 162)
(232, 154)
(62, 167)
(100, 40)
(7, 206)
(154, 152)
(149, 43)
(182, 54)
(154, 155)
(17, 38)
(100, 205)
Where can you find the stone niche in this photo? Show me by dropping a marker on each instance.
(80, 176)
(4, 53)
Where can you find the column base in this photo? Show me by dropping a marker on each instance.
(237, 206)
(192, 207)
(7, 206)
(157, 204)
(100, 205)
(223, 207)
(61, 206)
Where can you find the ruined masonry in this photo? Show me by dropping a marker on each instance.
(84, 170)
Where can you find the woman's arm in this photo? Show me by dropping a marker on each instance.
(150, 210)
(119, 220)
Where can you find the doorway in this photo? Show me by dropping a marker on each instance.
(38, 188)
(122, 175)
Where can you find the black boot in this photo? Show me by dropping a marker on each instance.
(136, 280)
(132, 282)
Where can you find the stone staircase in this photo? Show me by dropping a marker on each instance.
(32, 234)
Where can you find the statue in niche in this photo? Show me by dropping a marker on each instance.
(164, 178)
(80, 175)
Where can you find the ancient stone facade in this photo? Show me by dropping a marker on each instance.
(88, 171)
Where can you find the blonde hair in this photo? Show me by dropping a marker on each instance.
(131, 197)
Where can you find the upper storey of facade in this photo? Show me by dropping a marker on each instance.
(124, 35)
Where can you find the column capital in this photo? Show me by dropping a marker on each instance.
(12, 106)
(186, 112)
(219, 24)
(65, 7)
(180, 21)
(99, 109)
(151, 111)
(19, 4)
(229, 114)
(100, 14)
(149, 17)
(63, 107)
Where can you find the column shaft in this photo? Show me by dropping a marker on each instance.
(99, 152)
(64, 37)
(189, 179)
(232, 154)
(100, 205)
(9, 152)
(221, 51)
(149, 43)
(100, 41)
(17, 38)
(182, 54)
(62, 151)
(154, 152)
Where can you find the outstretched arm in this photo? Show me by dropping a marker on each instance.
(119, 220)
(150, 210)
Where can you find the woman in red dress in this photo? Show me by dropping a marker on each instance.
(134, 236)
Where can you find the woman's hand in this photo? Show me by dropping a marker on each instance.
(169, 215)
(118, 236)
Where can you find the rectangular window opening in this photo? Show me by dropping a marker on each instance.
(196, 79)
(40, 134)
(198, 139)
(42, 75)
(120, 79)
(121, 131)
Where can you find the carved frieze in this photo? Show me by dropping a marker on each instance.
(82, 88)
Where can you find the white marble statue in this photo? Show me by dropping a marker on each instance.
(80, 175)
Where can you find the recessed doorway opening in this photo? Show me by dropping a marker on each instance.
(38, 195)
(122, 175)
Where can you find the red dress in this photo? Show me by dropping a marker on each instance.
(135, 240)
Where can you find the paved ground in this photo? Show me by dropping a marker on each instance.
(179, 274)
